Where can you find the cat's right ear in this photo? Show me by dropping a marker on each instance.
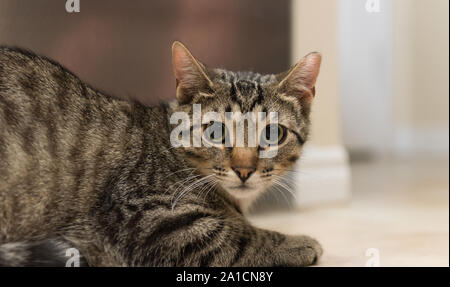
(190, 74)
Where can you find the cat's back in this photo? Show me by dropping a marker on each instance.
(38, 99)
(25, 77)
(15, 61)
(57, 134)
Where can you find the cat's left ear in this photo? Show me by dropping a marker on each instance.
(190, 74)
(300, 80)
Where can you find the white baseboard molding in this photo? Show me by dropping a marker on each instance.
(323, 176)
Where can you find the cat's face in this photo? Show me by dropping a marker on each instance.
(246, 169)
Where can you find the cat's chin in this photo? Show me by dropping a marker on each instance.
(243, 194)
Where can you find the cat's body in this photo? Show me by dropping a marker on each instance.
(100, 173)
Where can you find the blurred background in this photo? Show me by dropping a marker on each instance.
(374, 175)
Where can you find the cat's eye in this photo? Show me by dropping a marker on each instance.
(272, 135)
(215, 132)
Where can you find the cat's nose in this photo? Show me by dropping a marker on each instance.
(243, 172)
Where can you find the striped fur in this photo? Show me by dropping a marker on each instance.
(83, 169)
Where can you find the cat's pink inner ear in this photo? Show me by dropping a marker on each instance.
(188, 71)
(303, 74)
(310, 67)
(182, 64)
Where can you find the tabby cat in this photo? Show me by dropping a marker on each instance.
(81, 168)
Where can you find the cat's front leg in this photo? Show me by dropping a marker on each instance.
(276, 249)
(300, 250)
(201, 237)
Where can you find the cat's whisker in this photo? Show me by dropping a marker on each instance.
(275, 186)
(211, 188)
(189, 188)
(184, 180)
(210, 185)
(280, 183)
(285, 180)
(290, 192)
(207, 183)
(208, 180)
(214, 182)
(181, 182)
(288, 180)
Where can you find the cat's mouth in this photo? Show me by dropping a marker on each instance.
(240, 187)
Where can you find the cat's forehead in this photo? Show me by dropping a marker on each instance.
(249, 78)
(245, 90)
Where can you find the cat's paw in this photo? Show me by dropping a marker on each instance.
(301, 251)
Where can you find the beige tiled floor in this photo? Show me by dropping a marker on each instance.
(399, 207)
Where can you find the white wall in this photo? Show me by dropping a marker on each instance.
(365, 74)
(314, 28)
(324, 174)
(394, 76)
(421, 73)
